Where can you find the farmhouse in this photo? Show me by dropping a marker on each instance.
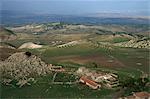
(90, 83)
(109, 80)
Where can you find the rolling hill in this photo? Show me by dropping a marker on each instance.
(6, 34)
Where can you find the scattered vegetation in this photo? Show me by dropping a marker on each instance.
(96, 53)
(132, 84)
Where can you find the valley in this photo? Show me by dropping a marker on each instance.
(121, 50)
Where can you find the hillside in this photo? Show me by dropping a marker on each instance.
(140, 43)
(6, 45)
(119, 49)
(30, 45)
(21, 68)
(6, 34)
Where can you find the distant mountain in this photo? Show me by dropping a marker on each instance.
(18, 17)
(118, 15)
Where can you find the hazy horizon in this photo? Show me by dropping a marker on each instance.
(73, 7)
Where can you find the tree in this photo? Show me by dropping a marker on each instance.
(134, 84)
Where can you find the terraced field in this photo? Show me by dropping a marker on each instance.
(103, 57)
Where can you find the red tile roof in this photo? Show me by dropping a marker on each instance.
(91, 82)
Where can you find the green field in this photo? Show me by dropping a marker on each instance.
(125, 62)
(67, 58)
(122, 58)
(45, 89)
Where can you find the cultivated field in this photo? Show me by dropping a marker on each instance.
(74, 46)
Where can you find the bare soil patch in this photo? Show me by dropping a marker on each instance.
(98, 59)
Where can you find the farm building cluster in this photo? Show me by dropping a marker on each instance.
(97, 80)
(91, 78)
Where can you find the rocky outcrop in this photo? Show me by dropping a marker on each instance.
(22, 67)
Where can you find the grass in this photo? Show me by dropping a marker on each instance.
(64, 77)
(4, 31)
(128, 56)
(108, 38)
(119, 39)
(44, 89)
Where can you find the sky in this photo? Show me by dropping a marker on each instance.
(77, 6)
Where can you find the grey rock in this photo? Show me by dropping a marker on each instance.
(21, 67)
